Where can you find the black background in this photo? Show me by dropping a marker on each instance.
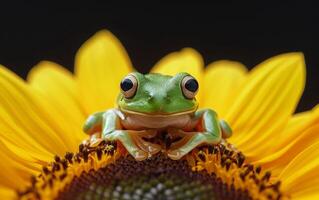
(249, 33)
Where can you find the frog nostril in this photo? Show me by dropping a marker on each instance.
(158, 98)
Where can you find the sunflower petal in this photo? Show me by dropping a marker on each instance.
(299, 134)
(299, 176)
(22, 113)
(14, 169)
(7, 193)
(17, 136)
(266, 101)
(187, 60)
(221, 79)
(58, 87)
(100, 65)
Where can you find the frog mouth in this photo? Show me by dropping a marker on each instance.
(157, 114)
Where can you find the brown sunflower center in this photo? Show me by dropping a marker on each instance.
(107, 172)
(156, 178)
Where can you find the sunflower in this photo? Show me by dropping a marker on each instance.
(273, 153)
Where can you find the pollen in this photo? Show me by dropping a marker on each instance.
(107, 171)
(229, 166)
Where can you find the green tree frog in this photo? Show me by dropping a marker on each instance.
(153, 104)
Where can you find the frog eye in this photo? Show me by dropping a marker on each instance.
(129, 86)
(189, 87)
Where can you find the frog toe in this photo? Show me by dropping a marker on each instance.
(146, 146)
(95, 143)
(225, 128)
(175, 154)
(187, 144)
(139, 155)
(128, 141)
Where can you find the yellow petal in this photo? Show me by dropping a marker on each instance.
(16, 136)
(20, 151)
(299, 178)
(301, 132)
(100, 65)
(265, 102)
(58, 87)
(7, 193)
(187, 60)
(21, 112)
(309, 196)
(13, 172)
(221, 78)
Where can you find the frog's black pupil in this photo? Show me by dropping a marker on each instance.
(191, 85)
(126, 84)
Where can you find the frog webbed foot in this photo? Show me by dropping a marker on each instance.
(190, 141)
(94, 140)
(134, 143)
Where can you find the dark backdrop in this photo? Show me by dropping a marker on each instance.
(31, 32)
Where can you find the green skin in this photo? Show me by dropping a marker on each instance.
(158, 105)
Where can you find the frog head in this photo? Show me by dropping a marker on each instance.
(157, 94)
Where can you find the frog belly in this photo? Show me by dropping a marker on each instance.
(139, 122)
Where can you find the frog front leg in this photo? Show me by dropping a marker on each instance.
(93, 127)
(210, 133)
(131, 139)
